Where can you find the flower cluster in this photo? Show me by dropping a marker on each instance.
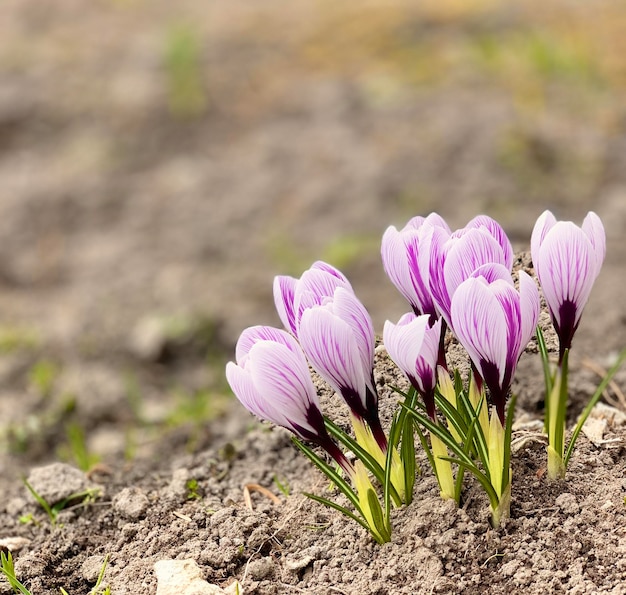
(458, 282)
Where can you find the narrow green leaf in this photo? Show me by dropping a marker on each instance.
(442, 433)
(451, 414)
(547, 375)
(371, 464)
(381, 523)
(479, 440)
(508, 430)
(7, 568)
(341, 509)
(480, 476)
(407, 456)
(387, 480)
(592, 403)
(327, 470)
(52, 515)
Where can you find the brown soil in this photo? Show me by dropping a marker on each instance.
(141, 231)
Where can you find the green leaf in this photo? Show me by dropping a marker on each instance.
(548, 377)
(7, 568)
(52, 513)
(371, 464)
(341, 509)
(327, 470)
(407, 456)
(381, 523)
(480, 476)
(592, 403)
(508, 430)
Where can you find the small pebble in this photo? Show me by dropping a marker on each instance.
(91, 568)
(58, 481)
(567, 503)
(131, 503)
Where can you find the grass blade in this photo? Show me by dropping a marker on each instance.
(592, 403)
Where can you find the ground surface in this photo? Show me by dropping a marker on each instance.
(156, 171)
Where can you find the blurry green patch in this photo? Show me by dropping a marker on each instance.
(186, 92)
(75, 448)
(543, 166)
(290, 258)
(527, 61)
(197, 407)
(346, 250)
(193, 489)
(18, 339)
(42, 376)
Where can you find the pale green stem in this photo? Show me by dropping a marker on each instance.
(366, 440)
(443, 469)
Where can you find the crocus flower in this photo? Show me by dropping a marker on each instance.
(413, 345)
(455, 257)
(567, 259)
(272, 380)
(337, 337)
(402, 252)
(319, 281)
(494, 322)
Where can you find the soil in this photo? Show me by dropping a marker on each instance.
(147, 201)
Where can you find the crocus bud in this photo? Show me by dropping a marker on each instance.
(337, 337)
(403, 254)
(454, 258)
(413, 345)
(567, 260)
(494, 322)
(319, 281)
(272, 380)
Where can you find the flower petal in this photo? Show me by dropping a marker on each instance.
(480, 324)
(566, 265)
(465, 253)
(496, 231)
(594, 229)
(403, 342)
(252, 335)
(544, 224)
(314, 285)
(530, 306)
(350, 309)
(284, 289)
(330, 345)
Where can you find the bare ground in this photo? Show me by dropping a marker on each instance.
(141, 232)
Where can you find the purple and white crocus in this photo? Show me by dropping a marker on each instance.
(337, 336)
(271, 379)
(454, 257)
(413, 345)
(494, 322)
(567, 260)
(405, 257)
(292, 296)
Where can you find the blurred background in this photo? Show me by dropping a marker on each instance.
(159, 164)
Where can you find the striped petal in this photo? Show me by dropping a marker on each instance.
(330, 345)
(274, 383)
(404, 341)
(496, 231)
(530, 307)
(567, 267)
(284, 290)
(349, 308)
(480, 325)
(252, 335)
(594, 229)
(544, 224)
(456, 260)
(315, 285)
